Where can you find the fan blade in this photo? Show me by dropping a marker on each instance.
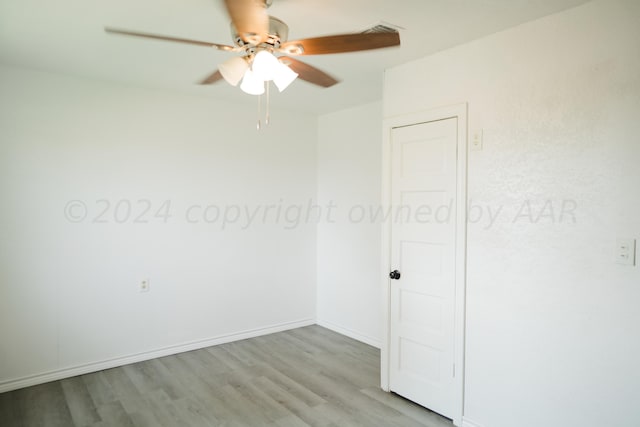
(250, 19)
(211, 79)
(309, 73)
(166, 38)
(340, 43)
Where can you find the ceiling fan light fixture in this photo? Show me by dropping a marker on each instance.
(251, 84)
(233, 70)
(265, 66)
(284, 77)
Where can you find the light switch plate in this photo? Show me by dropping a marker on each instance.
(626, 251)
(476, 140)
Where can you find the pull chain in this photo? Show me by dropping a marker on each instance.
(267, 118)
(259, 107)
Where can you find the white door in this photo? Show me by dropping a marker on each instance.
(423, 250)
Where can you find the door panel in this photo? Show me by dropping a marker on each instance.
(424, 181)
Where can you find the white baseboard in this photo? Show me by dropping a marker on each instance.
(466, 422)
(349, 333)
(73, 371)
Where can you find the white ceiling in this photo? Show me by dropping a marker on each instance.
(67, 36)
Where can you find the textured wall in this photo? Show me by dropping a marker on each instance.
(552, 320)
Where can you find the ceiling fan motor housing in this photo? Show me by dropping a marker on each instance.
(278, 33)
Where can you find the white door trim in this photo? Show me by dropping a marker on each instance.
(460, 112)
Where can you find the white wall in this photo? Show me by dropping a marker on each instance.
(552, 320)
(349, 178)
(69, 291)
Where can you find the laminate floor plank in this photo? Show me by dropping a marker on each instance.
(408, 408)
(296, 406)
(99, 388)
(294, 388)
(140, 409)
(199, 391)
(120, 383)
(193, 414)
(170, 412)
(239, 351)
(279, 355)
(166, 380)
(113, 415)
(349, 345)
(196, 369)
(229, 360)
(141, 377)
(144, 419)
(9, 410)
(43, 405)
(81, 405)
(209, 362)
(242, 411)
(269, 407)
(307, 377)
(289, 421)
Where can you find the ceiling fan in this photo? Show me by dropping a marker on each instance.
(259, 37)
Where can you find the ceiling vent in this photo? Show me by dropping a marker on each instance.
(383, 27)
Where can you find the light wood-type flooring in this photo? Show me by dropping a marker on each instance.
(304, 377)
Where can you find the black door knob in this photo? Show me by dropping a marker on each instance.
(394, 275)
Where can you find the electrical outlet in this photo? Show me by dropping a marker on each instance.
(626, 251)
(476, 140)
(144, 285)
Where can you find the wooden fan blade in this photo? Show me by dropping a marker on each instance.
(211, 79)
(166, 38)
(250, 19)
(309, 73)
(340, 43)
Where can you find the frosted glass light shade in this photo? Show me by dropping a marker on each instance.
(233, 70)
(265, 65)
(284, 77)
(251, 84)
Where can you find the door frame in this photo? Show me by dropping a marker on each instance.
(458, 111)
